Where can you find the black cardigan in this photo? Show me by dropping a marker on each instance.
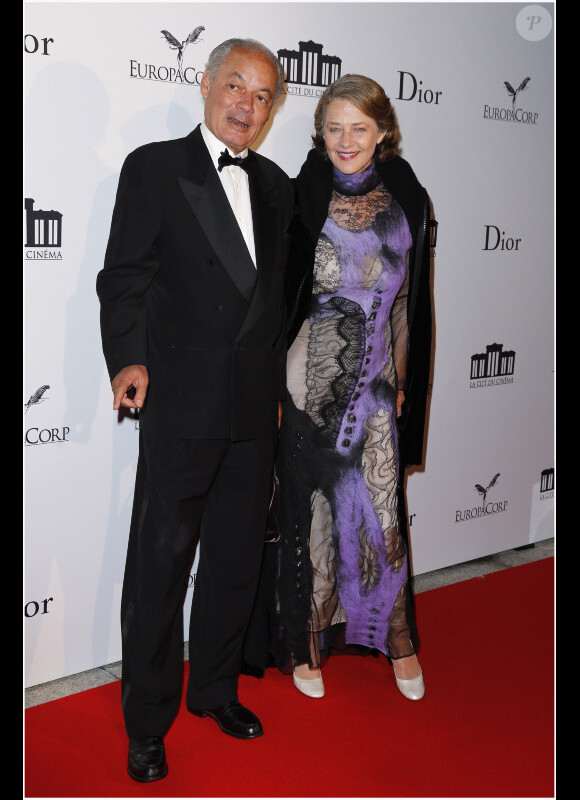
(313, 190)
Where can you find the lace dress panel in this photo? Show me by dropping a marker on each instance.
(343, 562)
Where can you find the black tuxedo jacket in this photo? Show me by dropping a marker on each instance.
(180, 294)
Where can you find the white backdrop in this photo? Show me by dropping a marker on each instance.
(101, 79)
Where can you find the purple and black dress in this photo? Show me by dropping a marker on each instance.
(343, 561)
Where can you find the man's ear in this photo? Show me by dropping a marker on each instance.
(204, 84)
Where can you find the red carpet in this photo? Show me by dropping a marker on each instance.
(483, 729)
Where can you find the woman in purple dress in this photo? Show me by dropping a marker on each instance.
(357, 375)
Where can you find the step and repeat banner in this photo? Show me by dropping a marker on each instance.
(473, 88)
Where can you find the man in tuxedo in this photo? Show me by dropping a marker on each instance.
(192, 325)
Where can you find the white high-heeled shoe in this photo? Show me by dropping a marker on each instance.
(411, 688)
(311, 687)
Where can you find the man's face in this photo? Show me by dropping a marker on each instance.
(239, 100)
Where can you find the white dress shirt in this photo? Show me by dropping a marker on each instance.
(236, 186)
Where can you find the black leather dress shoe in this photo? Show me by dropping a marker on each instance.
(147, 759)
(233, 718)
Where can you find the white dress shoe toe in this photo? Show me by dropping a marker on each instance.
(413, 688)
(313, 687)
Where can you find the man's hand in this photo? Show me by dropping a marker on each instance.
(136, 377)
(279, 415)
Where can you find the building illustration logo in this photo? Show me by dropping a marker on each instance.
(161, 72)
(43, 232)
(513, 114)
(547, 483)
(495, 366)
(308, 72)
(487, 508)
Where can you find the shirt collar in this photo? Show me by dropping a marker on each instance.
(216, 147)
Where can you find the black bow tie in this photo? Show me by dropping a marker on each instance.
(226, 160)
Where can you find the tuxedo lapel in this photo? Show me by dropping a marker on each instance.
(205, 194)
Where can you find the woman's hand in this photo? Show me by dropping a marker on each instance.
(400, 401)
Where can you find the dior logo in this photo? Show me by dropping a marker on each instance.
(410, 88)
(32, 44)
(495, 239)
(32, 608)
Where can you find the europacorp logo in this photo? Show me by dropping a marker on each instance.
(180, 72)
(513, 111)
(486, 507)
(38, 434)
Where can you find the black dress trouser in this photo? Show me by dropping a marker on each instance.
(220, 489)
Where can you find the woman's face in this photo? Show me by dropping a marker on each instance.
(350, 136)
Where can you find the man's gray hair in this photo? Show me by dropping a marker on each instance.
(219, 54)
